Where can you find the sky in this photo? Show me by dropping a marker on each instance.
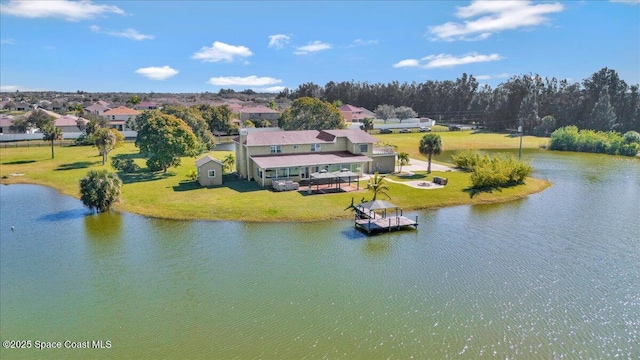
(199, 46)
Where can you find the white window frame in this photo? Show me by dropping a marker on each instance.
(366, 148)
(276, 149)
(315, 147)
(209, 173)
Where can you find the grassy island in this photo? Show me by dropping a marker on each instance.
(173, 194)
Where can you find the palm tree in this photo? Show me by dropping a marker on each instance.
(378, 187)
(229, 161)
(51, 133)
(430, 145)
(403, 158)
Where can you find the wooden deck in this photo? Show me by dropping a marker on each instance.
(385, 224)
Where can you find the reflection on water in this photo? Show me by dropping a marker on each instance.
(554, 275)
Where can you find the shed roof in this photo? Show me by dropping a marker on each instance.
(207, 159)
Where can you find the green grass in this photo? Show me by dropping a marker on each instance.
(458, 140)
(174, 195)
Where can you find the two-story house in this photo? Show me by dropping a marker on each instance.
(118, 117)
(259, 114)
(264, 156)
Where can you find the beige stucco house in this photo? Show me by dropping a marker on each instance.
(209, 171)
(264, 156)
(118, 117)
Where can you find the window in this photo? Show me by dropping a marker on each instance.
(315, 147)
(276, 149)
(364, 148)
(295, 147)
(211, 173)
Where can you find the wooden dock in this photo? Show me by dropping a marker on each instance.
(370, 221)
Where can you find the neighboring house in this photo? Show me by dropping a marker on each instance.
(48, 112)
(5, 124)
(209, 171)
(69, 123)
(57, 106)
(352, 113)
(118, 117)
(146, 105)
(258, 114)
(265, 156)
(22, 106)
(96, 109)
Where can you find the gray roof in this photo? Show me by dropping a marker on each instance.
(300, 137)
(206, 159)
(308, 159)
(377, 205)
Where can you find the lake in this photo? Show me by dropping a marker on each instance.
(555, 275)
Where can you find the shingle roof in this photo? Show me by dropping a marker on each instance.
(299, 137)
(68, 120)
(308, 159)
(96, 107)
(350, 108)
(121, 110)
(258, 110)
(206, 159)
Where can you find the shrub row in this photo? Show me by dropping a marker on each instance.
(492, 172)
(569, 138)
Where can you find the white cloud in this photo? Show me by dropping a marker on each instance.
(447, 60)
(489, 77)
(7, 42)
(484, 18)
(62, 9)
(243, 81)
(407, 63)
(13, 88)
(272, 89)
(157, 73)
(127, 33)
(360, 42)
(314, 46)
(278, 41)
(221, 52)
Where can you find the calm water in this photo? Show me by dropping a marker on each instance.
(556, 275)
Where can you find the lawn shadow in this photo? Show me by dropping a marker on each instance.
(18, 162)
(186, 185)
(143, 176)
(77, 165)
(230, 181)
(129, 156)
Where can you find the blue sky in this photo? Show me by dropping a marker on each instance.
(198, 46)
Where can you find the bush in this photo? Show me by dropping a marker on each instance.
(569, 138)
(499, 171)
(84, 139)
(125, 165)
(468, 159)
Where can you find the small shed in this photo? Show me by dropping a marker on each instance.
(209, 171)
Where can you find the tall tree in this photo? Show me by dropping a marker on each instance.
(40, 119)
(106, 140)
(100, 190)
(405, 112)
(430, 144)
(603, 116)
(378, 186)
(20, 124)
(163, 138)
(311, 114)
(51, 133)
(385, 112)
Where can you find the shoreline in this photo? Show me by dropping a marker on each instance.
(540, 185)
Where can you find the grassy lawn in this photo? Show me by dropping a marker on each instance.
(457, 140)
(174, 195)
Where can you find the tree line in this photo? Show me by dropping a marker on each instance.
(540, 105)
